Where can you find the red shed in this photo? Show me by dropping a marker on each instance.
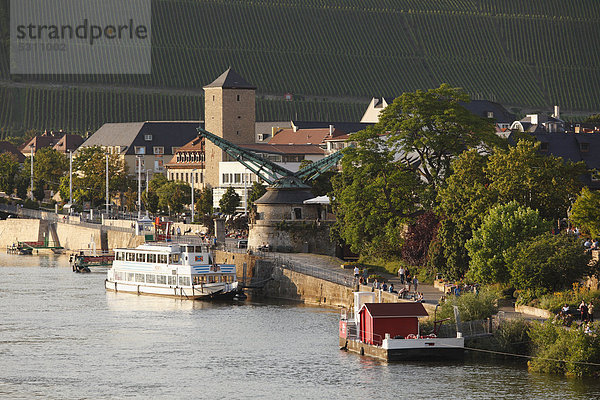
(397, 319)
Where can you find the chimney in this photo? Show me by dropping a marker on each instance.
(556, 112)
(331, 130)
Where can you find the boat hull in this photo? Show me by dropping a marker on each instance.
(438, 349)
(190, 293)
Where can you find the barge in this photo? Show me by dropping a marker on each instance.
(390, 332)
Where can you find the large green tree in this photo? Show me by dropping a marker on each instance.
(428, 129)
(89, 176)
(49, 166)
(551, 262)
(230, 201)
(503, 228)
(374, 196)
(586, 212)
(9, 170)
(174, 196)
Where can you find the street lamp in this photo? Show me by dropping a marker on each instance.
(193, 173)
(107, 193)
(31, 147)
(139, 186)
(147, 194)
(70, 181)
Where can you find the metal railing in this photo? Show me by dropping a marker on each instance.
(281, 260)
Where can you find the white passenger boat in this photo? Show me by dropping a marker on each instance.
(185, 271)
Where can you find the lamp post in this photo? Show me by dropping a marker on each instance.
(147, 188)
(193, 173)
(32, 148)
(139, 187)
(107, 193)
(70, 181)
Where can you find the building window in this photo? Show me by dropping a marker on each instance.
(490, 114)
(140, 149)
(148, 138)
(238, 98)
(297, 213)
(174, 150)
(158, 165)
(225, 178)
(238, 178)
(158, 150)
(544, 146)
(584, 147)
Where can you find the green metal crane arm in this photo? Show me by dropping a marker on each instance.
(265, 169)
(315, 169)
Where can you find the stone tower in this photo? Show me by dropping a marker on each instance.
(230, 113)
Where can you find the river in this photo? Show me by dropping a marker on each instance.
(62, 336)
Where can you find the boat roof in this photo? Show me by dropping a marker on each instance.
(395, 309)
(163, 247)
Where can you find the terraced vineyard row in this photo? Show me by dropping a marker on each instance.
(530, 54)
(82, 111)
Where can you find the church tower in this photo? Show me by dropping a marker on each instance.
(230, 113)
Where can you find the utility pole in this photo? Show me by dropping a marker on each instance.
(193, 172)
(139, 187)
(70, 181)
(32, 148)
(107, 193)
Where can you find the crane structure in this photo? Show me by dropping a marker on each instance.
(272, 173)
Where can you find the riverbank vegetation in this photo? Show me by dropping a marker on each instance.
(433, 189)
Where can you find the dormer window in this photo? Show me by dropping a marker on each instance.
(490, 114)
(544, 147)
(148, 138)
(584, 147)
(140, 150)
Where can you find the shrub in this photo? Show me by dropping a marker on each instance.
(472, 306)
(564, 351)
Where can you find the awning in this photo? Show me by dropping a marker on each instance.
(318, 200)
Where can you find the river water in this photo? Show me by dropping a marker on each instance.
(62, 336)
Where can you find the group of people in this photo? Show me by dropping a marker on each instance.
(591, 245)
(565, 316)
(587, 311)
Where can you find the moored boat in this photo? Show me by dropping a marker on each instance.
(186, 271)
(390, 331)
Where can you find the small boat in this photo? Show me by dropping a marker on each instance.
(186, 271)
(390, 332)
(82, 261)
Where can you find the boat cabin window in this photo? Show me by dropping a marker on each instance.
(211, 279)
(173, 280)
(174, 259)
(139, 257)
(130, 276)
(162, 258)
(119, 255)
(199, 280)
(139, 278)
(184, 281)
(161, 279)
(151, 258)
(150, 278)
(130, 257)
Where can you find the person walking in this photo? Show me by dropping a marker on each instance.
(415, 283)
(401, 274)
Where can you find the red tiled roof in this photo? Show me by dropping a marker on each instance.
(284, 148)
(396, 309)
(304, 136)
(8, 147)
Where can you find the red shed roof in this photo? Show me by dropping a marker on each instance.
(396, 309)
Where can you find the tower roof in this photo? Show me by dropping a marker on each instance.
(230, 80)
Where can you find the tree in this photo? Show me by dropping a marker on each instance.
(321, 185)
(504, 227)
(373, 197)
(230, 201)
(428, 129)
(89, 176)
(419, 235)
(9, 170)
(551, 262)
(256, 192)
(204, 204)
(542, 182)
(49, 166)
(586, 212)
(174, 196)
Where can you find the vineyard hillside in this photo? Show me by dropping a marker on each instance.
(332, 55)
